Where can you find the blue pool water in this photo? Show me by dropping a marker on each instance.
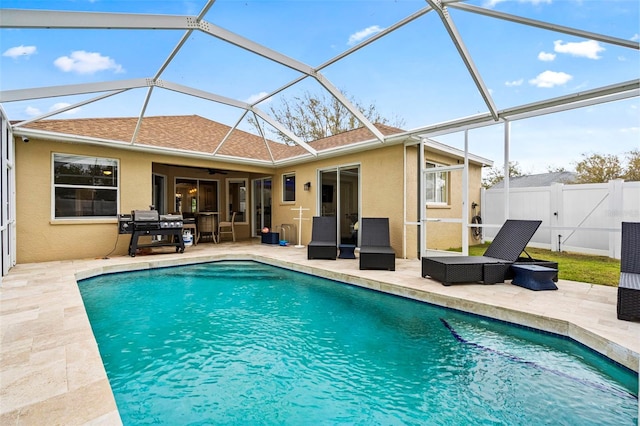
(247, 343)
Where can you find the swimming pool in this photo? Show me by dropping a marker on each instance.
(238, 342)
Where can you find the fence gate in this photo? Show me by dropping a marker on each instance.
(583, 218)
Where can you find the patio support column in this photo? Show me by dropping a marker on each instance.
(422, 218)
(507, 141)
(465, 197)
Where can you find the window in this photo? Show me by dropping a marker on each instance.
(84, 186)
(289, 187)
(437, 185)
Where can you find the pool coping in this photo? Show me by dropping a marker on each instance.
(72, 369)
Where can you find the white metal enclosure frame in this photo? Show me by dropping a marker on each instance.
(13, 18)
(7, 197)
(41, 19)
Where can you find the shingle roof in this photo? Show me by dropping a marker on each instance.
(198, 134)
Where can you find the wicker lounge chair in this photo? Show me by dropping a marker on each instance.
(324, 240)
(629, 287)
(493, 267)
(375, 249)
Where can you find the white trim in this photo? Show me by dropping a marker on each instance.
(436, 169)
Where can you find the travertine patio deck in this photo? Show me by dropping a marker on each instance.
(50, 368)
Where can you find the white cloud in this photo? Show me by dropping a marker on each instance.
(585, 49)
(82, 62)
(361, 35)
(635, 37)
(32, 111)
(546, 57)
(61, 105)
(254, 98)
(19, 51)
(514, 83)
(550, 79)
(630, 130)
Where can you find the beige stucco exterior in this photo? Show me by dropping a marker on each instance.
(385, 176)
(41, 238)
(443, 235)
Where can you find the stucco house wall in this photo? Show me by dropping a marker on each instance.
(41, 238)
(385, 176)
(381, 176)
(444, 235)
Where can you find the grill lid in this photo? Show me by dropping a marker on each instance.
(170, 217)
(145, 215)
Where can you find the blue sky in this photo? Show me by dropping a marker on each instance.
(413, 73)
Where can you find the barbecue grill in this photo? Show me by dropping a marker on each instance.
(151, 223)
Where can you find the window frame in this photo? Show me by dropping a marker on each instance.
(286, 176)
(435, 199)
(91, 159)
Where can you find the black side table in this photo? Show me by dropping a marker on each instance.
(534, 277)
(347, 251)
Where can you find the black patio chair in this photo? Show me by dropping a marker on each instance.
(629, 286)
(493, 267)
(324, 240)
(375, 249)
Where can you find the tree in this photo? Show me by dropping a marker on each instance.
(598, 168)
(312, 117)
(496, 174)
(632, 172)
(557, 169)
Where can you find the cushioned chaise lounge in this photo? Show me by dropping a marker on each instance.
(324, 240)
(629, 287)
(375, 248)
(493, 266)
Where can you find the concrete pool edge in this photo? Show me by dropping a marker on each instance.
(52, 372)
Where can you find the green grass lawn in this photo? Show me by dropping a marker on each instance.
(573, 266)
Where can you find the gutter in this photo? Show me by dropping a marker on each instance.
(398, 138)
(109, 143)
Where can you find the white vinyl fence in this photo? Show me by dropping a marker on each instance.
(583, 218)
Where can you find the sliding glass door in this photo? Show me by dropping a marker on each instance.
(195, 196)
(262, 205)
(340, 196)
